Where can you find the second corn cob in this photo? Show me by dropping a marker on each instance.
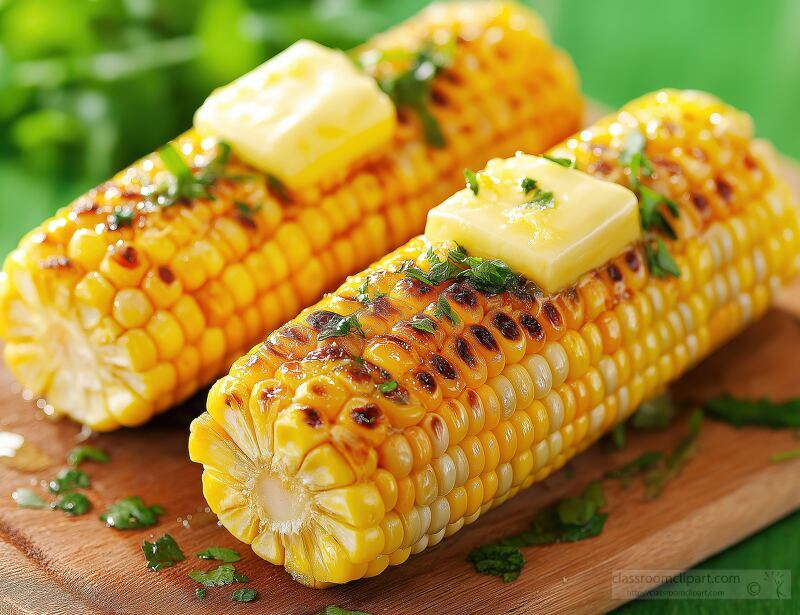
(339, 456)
(120, 306)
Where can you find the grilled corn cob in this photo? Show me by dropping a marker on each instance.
(338, 457)
(117, 308)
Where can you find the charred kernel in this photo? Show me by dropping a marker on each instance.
(166, 274)
(484, 337)
(127, 256)
(270, 393)
(614, 273)
(465, 352)
(427, 381)
(506, 325)
(312, 417)
(462, 295)
(367, 415)
(234, 400)
(437, 425)
(329, 352)
(399, 341)
(295, 333)
(749, 163)
(552, 313)
(382, 306)
(532, 326)
(632, 260)
(724, 189)
(375, 370)
(319, 320)
(444, 367)
(398, 396)
(56, 262)
(700, 202)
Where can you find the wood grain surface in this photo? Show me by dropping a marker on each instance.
(51, 563)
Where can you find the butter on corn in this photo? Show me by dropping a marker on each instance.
(301, 115)
(548, 222)
(114, 322)
(339, 457)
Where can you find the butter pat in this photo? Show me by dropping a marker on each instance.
(590, 221)
(303, 114)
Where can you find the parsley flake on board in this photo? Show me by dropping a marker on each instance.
(73, 504)
(656, 413)
(28, 498)
(221, 554)
(339, 326)
(244, 595)
(68, 479)
(423, 323)
(222, 575)
(162, 553)
(568, 163)
(785, 456)
(641, 464)
(657, 477)
(472, 181)
(569, 520)
(79, 454)
(445, 310)
(761, 412)
(411, 89)
(131, 513)
(200, 592)
(337, 610)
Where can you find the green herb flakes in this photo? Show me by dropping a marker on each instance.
(221, 554)
(74, 504)
(187, 185)
(761, 412)
(337, 610)
(28, 498)
(641, 464)
(659, 260)
(785, 456)
(654, 414)
(472, 181)
(244, 595)
(362, 296)
(163, 553)
(568, 163)
(245, 210)
(131, 513)
(541, 201)
(423, 323)
(445, 310)
(79, 454)
(339, 326)
(527, 185)
(222, 575)
(388, 386)
(200, 592)
(618, 436)
(497, 560)
(657, 477)
(121, 216)
(68, 479)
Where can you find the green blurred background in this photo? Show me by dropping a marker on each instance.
(89, 86)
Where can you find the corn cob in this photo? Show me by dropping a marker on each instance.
(115, 309)
(339, 457)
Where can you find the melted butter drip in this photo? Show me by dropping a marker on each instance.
(19, 454)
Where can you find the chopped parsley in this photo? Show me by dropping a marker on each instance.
(641, 464)
(222, 554)
(541, 200)
(337, 610)
(222, 575)
(527, 184)
(362, 296)
(163, 553)
(443, 310)
(618, 436)
(277, 188)
(200, 592)
(569, 520)
(657, 476)
(568, 163)
(656, 413)
(187, 185)
(28, 498)
(761, 412)
(245, 210)
(68, 479)
(785, 456)
(651, 214)
(411, 89)
(121, 216)
(339, 326)
(423, 323)
(131, 513)
(472, 181)
(79, 454)
(388, 386)
(73, 504)
(244, 595)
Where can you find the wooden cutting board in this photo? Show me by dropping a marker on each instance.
(50, 563)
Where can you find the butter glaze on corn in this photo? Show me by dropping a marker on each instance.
(308, 461)
(113, 326)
